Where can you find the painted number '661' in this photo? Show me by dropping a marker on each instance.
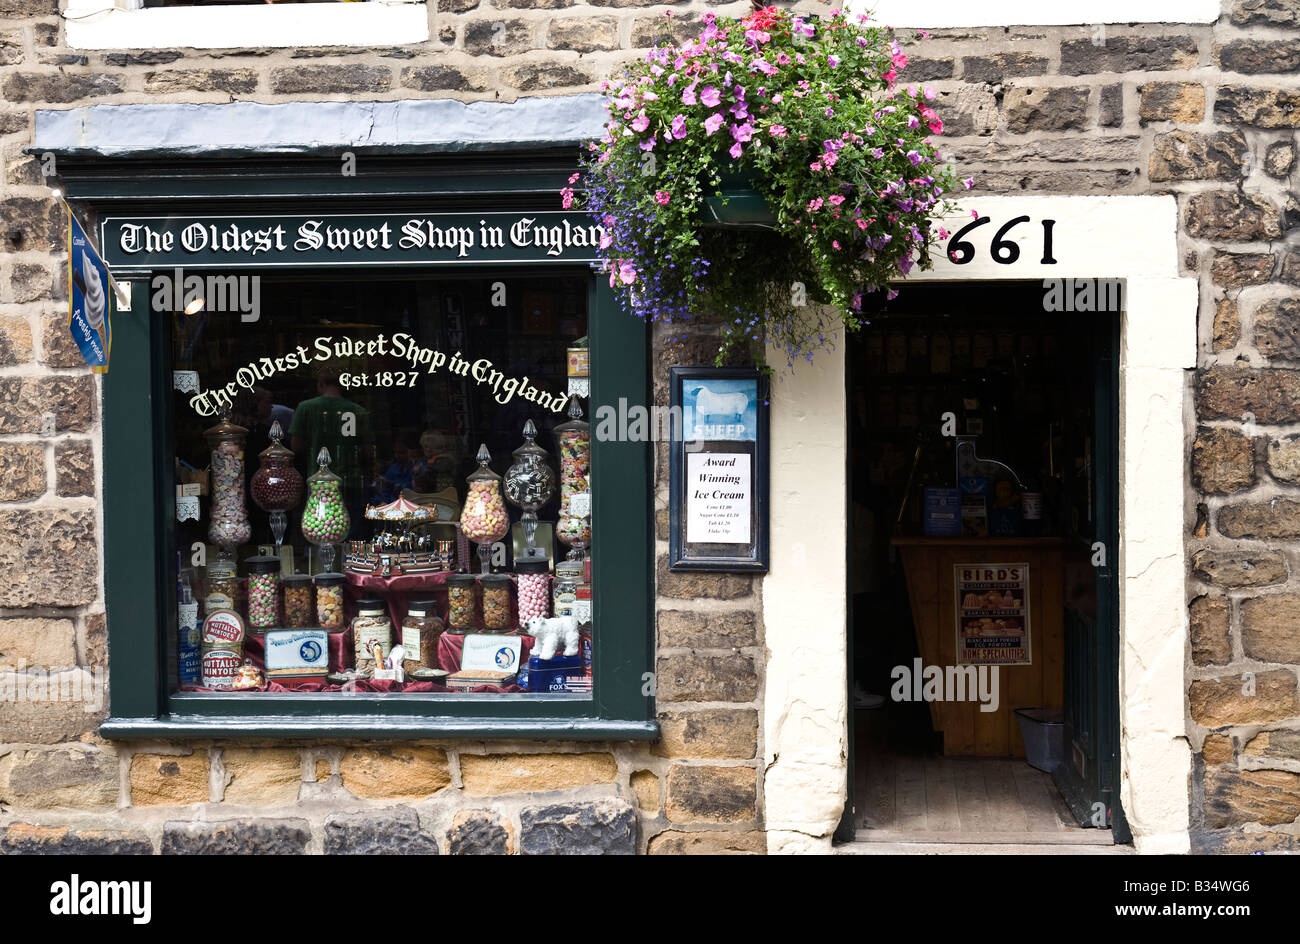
(1003, 250)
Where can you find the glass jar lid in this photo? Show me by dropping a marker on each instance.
(374, 607)
(462, 580)
(540, 566)
(263, 565)
(225, 431)
(494, 580)
(296, 579)
(484, 472)
(323, 473)
(328, 579)
(276, 450)
(421, 608)
(576, 423)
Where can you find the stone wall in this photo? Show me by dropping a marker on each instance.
(1208, 113)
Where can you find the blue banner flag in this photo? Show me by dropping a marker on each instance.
(90, 298)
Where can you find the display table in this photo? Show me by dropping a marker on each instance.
(928, 566)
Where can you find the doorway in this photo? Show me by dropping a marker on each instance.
(982, 463)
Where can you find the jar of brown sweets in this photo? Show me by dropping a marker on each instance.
(496, 602)
(329, 601)
(298, 609)
(462, 597)
(420, 631)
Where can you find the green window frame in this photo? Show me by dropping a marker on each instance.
(139, 485)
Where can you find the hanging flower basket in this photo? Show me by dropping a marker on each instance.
(765, 168)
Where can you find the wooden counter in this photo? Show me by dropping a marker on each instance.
(928, 568)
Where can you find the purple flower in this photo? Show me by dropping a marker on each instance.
(712, 123)
(736, 150)
(914, 157)
(833, 60)
(688, 94)
(743, 132)
(710, 97)
(679, 127)
(640, 122)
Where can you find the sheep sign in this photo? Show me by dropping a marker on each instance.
(718, 508)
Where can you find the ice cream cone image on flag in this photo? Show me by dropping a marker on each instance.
(96, 298)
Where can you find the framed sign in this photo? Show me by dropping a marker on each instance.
(718, 476)
(992, 614)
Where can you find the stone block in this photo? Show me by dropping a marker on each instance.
(1186, 155)
(694, 585)
(22, 473)
(695, 630)
(1227, 325)
(709, 842)
(1260, 56)
(74, 468)
(1261, 107)
(599, 827)
(1283, 744)
(712, 794)
(1279, 159)
(237, 837)
(393, 831)
(261, 775)
(1277, 328)
(1231, 215)
(709, 733)
(1239, 569)
(1128, 54)
(1231, 700)
(532, 76)
(479, 832)
(1227, 393)
(231, 81)
(705, 677)
(331, 79)
(394, 773)
(1238, 269)
(50, 643)
(58, 88)
(1209, 618)
(1270, 627)
(645, 784)
(996, 68)
(31, 839)
(1217, 749)
(498, 37)
(1234, 798)
(1223, 461)
(66, 537)
(1278, 518)
(497, 774)
(59, 778)
(1046, 109)
(170, 780)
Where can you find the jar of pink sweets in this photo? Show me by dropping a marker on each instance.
(263, 592)
(483, 518)
(534, 590)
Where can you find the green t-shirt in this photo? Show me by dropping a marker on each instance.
(320, 422)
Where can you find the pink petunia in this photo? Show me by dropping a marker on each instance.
(743, 132)
(712, 123)
(835, 200)
(640, 122)
(890, 76)
(662, 197)
(566, 196)
(679, 127)
(736, 150)
(626, 273)
(777, 131)
(688, 94)
(710, 97)
(815, 203)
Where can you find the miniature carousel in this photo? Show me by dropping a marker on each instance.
(400, 544)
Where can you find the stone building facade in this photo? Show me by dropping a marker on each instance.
(1207, 112)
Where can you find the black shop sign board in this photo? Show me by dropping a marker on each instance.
(718, 470)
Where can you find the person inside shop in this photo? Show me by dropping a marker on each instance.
(400, 473)
(334, 422)
(441, 462)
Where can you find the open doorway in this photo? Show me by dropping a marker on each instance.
(982, 524)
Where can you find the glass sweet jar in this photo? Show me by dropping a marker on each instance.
(574, 438)
(483, 519)
(325, 520)
(228, 523)
(530, 484)
(277, 485)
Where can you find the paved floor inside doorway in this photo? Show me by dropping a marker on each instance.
(975, 800)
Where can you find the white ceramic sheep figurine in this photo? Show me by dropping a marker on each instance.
(549, 632)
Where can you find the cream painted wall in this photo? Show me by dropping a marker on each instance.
(806, 704)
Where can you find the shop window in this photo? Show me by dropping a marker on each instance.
(335, 461)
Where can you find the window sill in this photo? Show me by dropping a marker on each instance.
(378, 727)
(388, 23)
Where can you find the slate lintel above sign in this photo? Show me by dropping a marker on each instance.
(284, 240)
